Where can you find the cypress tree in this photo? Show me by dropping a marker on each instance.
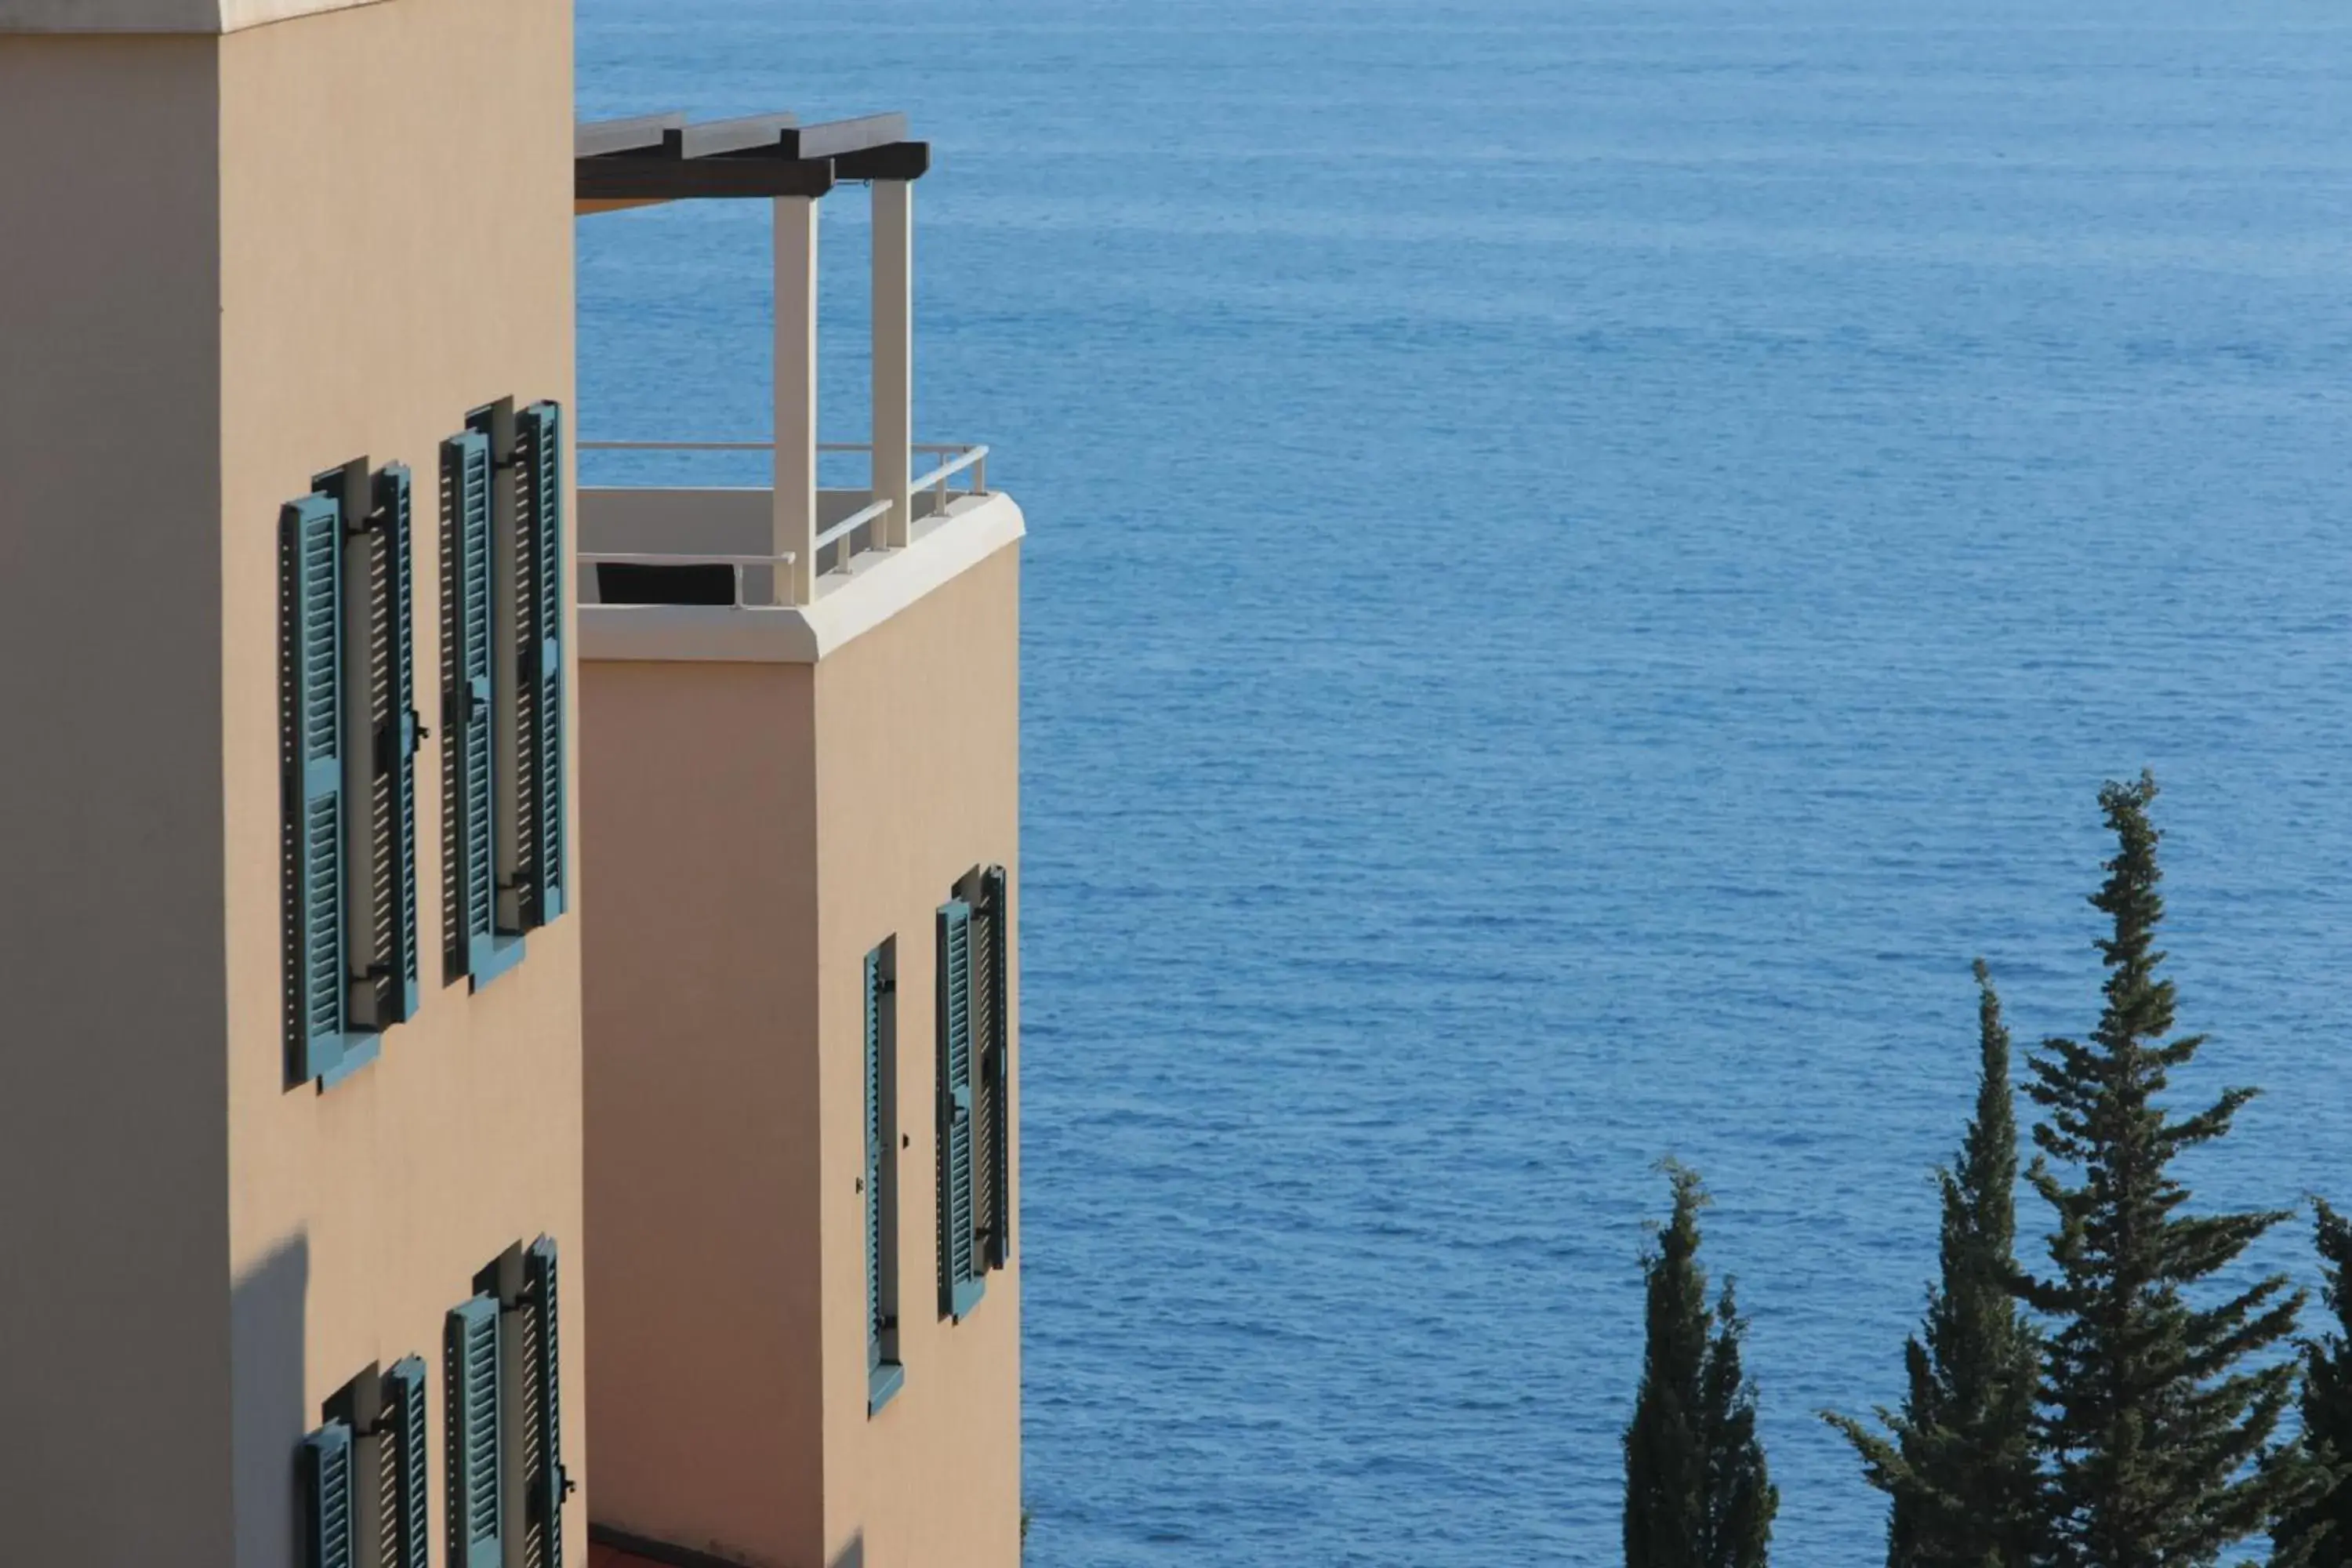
(1697, 1491)
(2159, 1419)
(2320, 1531)
(1958, 1463)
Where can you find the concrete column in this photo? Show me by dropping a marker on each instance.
(894, 352)
(795, 499)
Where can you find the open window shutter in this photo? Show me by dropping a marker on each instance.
(996, 1128)
(396, 742)
(405, 1437)
(313, 544)
(874, 1325)
(960, 1281)
(466, 478)
(329, 1525)
(538, 662)
(543, 1413)
(476, 1537)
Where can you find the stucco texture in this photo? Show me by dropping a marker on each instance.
(114, 1301)
(396, 234)
(759, 828)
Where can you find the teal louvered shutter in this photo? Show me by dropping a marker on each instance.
(405, 1492)
(960, 1283)
(330, 1523)
(476, 1501)
(470, 742)
(312, 598)
(539, 661)
(397, 737)
(995, 1069)
(545, 1482)
(874, 1324)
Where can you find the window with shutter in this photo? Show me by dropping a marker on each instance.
(476, 1501)
(884, 1373)
(311, 634)
(477, 946)
(351, 736)
(330, 1537)
(962, 1283)
(405, 1466)
(545, 1482)
(992, 964)
(396, 735)
(538, 662)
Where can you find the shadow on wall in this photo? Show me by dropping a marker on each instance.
(267, 1353)
(610, 1548)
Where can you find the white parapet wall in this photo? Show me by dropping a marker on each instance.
(683, 523)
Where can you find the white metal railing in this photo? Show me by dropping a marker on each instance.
(841, 531)
(960, 458)
(837, 544)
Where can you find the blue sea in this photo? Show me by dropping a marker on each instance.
(1585, 559)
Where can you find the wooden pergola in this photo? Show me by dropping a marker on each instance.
(650, 160)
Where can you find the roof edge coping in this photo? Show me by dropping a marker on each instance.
(202, 17)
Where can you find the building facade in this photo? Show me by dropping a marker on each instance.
(462, 1104)
(271, 1132)
(802, 987)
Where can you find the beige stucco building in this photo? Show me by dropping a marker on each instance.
(801, 989)
(418, 870)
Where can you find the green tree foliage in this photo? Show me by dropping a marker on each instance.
(2320, 1531)
(2159, 1420)
(1696, 1492)
(1958, 1462)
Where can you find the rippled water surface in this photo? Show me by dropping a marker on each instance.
(1585, 558)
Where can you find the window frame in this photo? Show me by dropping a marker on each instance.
(885, 1372)
(963, 1281)
(519, 672)
(993, 1040)
(328, 1467)
(353, 518)
(470, 1399)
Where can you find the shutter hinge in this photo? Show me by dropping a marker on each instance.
(388, 756)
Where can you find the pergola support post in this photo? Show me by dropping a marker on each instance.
(894, 356)
(795, 473)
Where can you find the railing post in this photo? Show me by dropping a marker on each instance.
(894, 355)
(795, 472)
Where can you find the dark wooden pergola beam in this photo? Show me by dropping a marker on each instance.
(603, 138)
(892, 161)
(718, 138)
(655, 158)
(630, 179)
(839, 138)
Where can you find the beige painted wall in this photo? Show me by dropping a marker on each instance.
(114, 1301)
(759, 828)
(232, 263)
(396, 234)
(698, 795)
(918, 764)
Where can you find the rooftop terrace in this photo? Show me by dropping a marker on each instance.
(785, 571)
